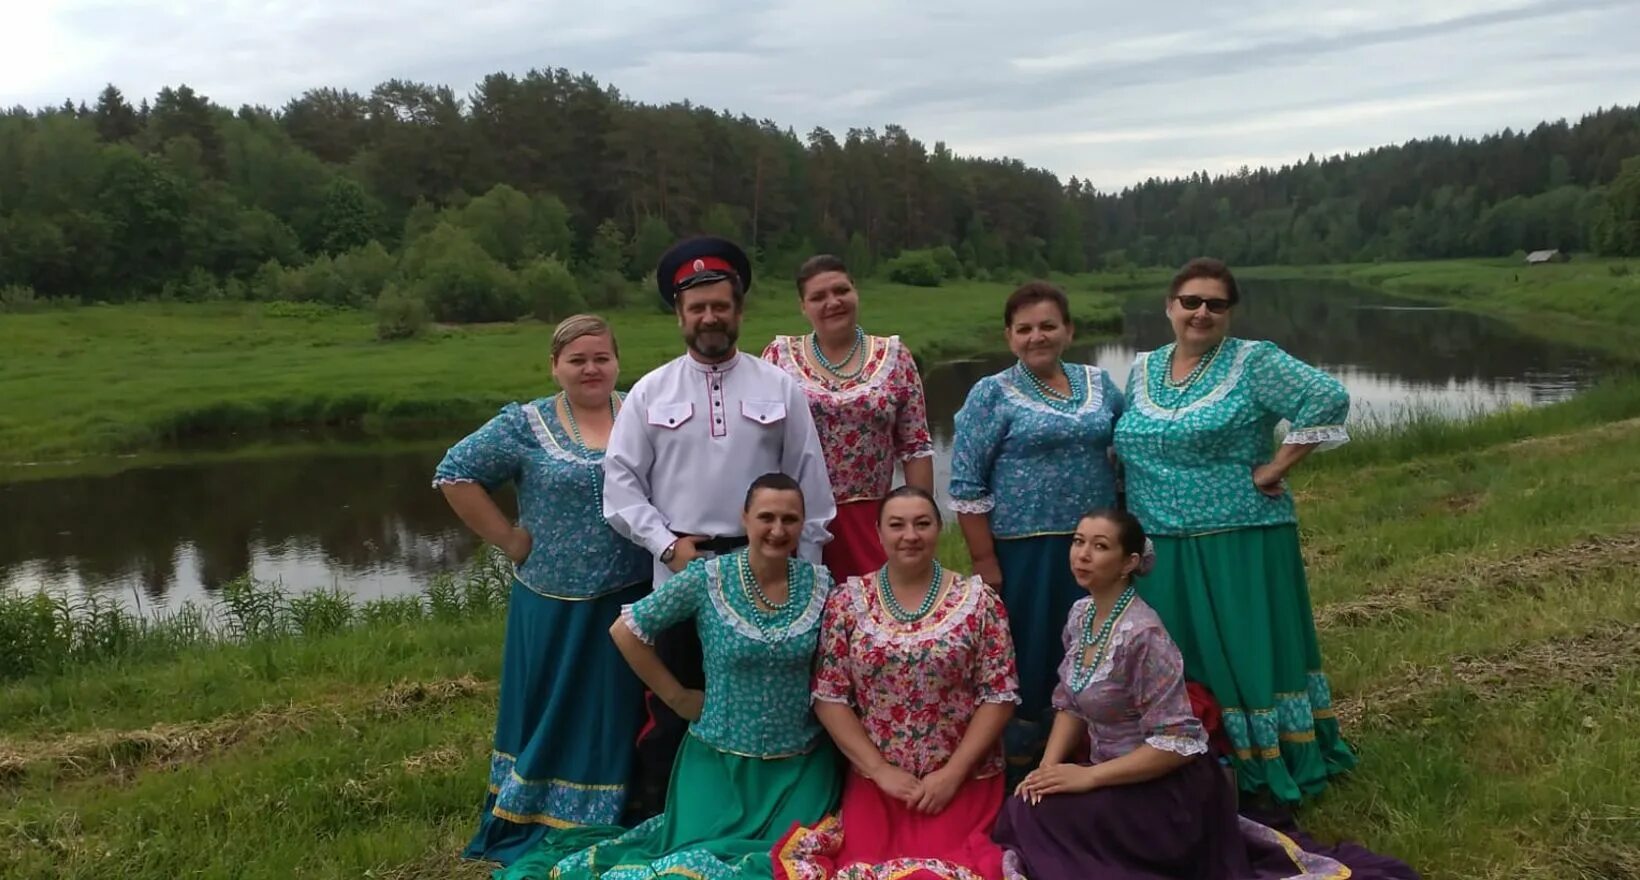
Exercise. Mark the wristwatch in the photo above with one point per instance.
(667, 554)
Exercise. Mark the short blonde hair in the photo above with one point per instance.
(576, 326)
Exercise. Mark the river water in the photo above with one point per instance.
(365, 520)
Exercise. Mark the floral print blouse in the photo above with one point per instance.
(868, 423)
(560, 485)
(1188, 453)
(916, 685)
(1136, 695)
(757, 663)
(1033, 467)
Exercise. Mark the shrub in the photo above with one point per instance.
(400, 314)
(553, 292)
(916, 268)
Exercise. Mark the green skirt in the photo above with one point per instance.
(1238, 605)
(1038, 591)
(724, 814)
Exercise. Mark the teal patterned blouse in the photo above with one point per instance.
(1035, 468)
(757, 663)
(1189, 452)
(574, 554)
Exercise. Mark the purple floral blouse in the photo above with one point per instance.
(1137, 694)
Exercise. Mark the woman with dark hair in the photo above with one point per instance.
(1031, 452)
(1148, 802)
(915, 682)
(754, 762)
(867, 399)
(556, 761)
(1206, 476)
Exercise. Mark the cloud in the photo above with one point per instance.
(1101, 89)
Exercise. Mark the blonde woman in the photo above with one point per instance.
(570, 707)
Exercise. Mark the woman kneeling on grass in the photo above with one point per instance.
(915, 683)
(755, 761)
(1151, 803)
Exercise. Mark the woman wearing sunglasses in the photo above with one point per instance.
(1206, 477)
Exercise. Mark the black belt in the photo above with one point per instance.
(716, 546)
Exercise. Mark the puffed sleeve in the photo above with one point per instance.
(1063, 700)
(490, 456)
(1313, 402)
(995, 671)
(676, 600)
(911, 436)
(979, 430)
(832, 681)
(1155, 673)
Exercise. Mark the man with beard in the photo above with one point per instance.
(691, 437)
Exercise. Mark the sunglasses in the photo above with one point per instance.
(1191, 302)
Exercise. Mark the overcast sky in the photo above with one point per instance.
(1112, 91)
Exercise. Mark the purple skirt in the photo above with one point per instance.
(1182, 826)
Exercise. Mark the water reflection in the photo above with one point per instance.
(367, 522)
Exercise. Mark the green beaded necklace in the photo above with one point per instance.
(886, 591)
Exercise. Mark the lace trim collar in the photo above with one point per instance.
(1021, 395)
(726, 609)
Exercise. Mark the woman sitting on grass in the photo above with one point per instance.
(755, 761)
(915, 683)
(1147, 802)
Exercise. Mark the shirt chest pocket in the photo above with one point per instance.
(672, 415)
(764, 412)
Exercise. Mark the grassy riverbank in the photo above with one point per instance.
(1479, 604)
(122, 379)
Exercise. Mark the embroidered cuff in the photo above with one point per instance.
(1187, 746)
(450, 481)
(1328, 436)
(633, 625)
(976, 506)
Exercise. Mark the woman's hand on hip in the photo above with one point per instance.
(518, 544)
(1271, 480)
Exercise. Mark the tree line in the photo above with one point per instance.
(547, 190)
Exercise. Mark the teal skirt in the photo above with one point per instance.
(568, 721)
(724, 815)
(1238, 605)
(1038, 590)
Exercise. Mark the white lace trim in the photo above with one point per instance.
(1188, 746)
(935, 626)
(1141, 387)
(1091, 401)
(1009, 697)
(637, 628)
(804, 622)
(862, 387)
(548, 443)
(1328, 436)
(450, 481)
(976, 506)
(817, 697)
(924, 451)
(1118, 638)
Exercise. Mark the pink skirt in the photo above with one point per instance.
(854, 549)
(886, 840)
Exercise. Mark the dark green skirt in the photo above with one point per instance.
(1238, 605)
(1038, 590)
(567, 726)
(724, 815)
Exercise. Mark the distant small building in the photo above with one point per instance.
(1554, 256)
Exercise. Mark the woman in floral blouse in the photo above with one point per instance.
(1127, 788)
(755, 762)
(1207, 478)
(557, 761)
(1031, 453)
(867, 400)
(915, 683)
